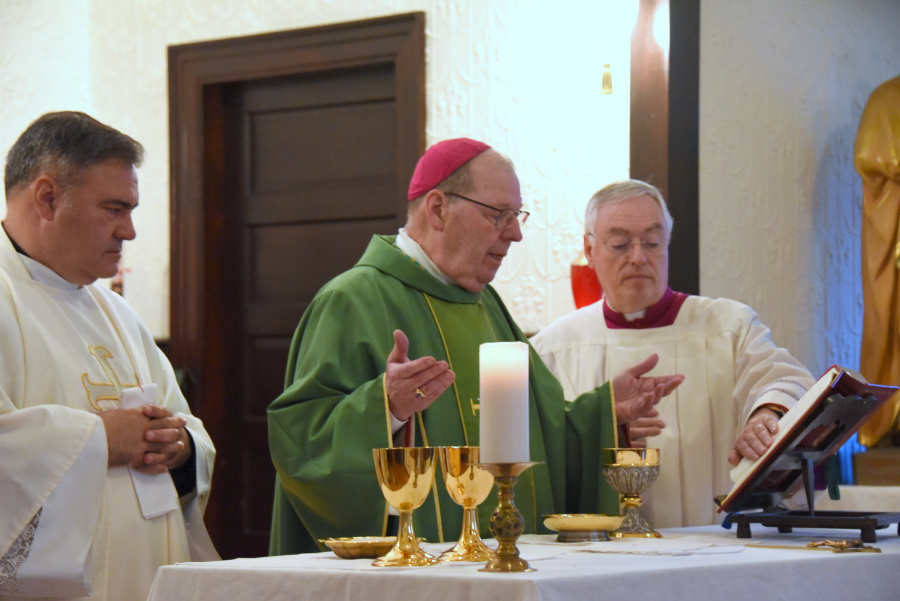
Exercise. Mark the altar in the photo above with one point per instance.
(688, 563)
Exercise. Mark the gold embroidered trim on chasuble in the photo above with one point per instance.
(390, 444)
(612, 399)
(450, 363)
(387, 412)
(102, 390)
(112, 388)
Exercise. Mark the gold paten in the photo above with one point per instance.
(468, 485)
(405, 476)
(582, 527)
(360, 547)
(507, 523)
(631, 472)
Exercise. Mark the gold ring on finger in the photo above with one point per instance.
(419, 394)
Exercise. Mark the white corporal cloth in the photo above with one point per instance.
(69, 526)
(731, 367)
(700, 564)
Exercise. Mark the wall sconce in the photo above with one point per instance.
(606, 83)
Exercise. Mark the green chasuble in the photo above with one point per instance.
(333, 411)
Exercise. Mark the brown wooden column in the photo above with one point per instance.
(649, 101)
(665, 125)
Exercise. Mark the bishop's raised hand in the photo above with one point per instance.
(412, 385)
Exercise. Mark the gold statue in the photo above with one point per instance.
(877, 159)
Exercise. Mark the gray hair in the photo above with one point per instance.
(623, 190)
(63, 144)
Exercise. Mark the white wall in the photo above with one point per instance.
(522, 75)
(43, 62)
(782, 88)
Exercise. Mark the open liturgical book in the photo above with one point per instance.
(815, 428)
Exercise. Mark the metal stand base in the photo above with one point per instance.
(582, 536)
(786, 521)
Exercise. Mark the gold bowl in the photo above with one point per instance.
(581, 527)
(360, 547)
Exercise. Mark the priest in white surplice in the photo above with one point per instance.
(737, 382)
(94, 497)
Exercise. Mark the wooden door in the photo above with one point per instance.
(299, 170)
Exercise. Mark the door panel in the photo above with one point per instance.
(311, 145)
(291, 262)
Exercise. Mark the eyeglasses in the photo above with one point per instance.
(504, 216)
(619, 246)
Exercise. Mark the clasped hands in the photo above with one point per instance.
(149, 438)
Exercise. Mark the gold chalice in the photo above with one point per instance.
(405, 475)
(468, 485)
(631, 472)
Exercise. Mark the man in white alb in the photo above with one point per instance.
(103, 470)
(737, 382)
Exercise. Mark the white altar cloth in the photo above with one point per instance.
(688, 563)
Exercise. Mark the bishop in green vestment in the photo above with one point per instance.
(342, 398)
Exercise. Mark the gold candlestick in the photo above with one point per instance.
(405, 476)
(468, 485)
(507, 523)
(631, 472)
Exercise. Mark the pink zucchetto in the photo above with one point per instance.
(440, 161)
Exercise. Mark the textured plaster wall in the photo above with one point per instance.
(523, 75)
(782, 88)
(44, 57)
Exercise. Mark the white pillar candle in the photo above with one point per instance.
(503, 371)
